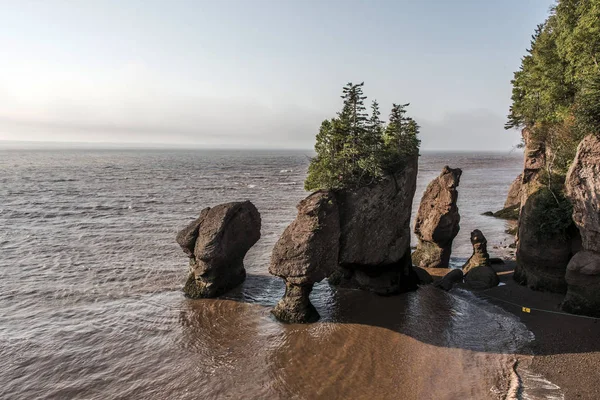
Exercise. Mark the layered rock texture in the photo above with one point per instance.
(216, 243)
(480, 257)
(583, 189)
(541, 259)
(437, 222)
(306, 253)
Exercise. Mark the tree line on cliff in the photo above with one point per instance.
(556, 97)
(556, 91)
(355, 149)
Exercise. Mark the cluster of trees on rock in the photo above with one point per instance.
(356, 149)
(556, 95)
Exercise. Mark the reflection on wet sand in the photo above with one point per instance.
(421, 344)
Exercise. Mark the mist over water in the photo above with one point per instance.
(91, 280)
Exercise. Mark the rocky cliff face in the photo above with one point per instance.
(583, 189)
(374, 252)
(306, 253)
(217, 243)
(514, 192)
(541, 260)
(437, 222)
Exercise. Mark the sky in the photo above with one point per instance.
(257, 73)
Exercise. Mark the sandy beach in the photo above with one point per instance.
(566, 347)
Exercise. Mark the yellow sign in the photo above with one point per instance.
(527, 310)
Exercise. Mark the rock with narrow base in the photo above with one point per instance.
(375, 234)
(583, 189)
(480, 255)
(306, 253)
(482, 277)
(217, 243)
(437, 222)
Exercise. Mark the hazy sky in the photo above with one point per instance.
(253, 73)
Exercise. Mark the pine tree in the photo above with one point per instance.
(351, 151)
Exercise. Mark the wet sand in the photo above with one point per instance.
(566, 347)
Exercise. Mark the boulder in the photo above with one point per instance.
(424, 277)
(450, 279)
(217, 243)
(306, 253)
(482, 277)
(480, 255)
(583, 281)
(583, 189)
(514, 193)
(374, 252)
(437, 222)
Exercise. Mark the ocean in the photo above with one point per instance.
(91, 278)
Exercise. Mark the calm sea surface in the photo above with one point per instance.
(91, 277)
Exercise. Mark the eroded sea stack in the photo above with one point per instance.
(514, 192)
(374, 252)
(437, 222)
(306, 253)
(217, 243)
(478, 271)
(360, 238)
(542, 257)
(583, 270)
(480, 255)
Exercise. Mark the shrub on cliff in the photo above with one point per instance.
(355, 149)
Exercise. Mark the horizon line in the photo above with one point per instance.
(58, 144)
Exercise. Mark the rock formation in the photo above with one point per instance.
(437, 222)
(424, 277)
(450, 279)
(482, 277)
(478, 271)
(514, 193)
(512, 205)
(480, 255)
(306, 253)
(375, 234)
(583, 189)
(216, 243)
(541, 260)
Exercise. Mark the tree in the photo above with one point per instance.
(556, 96)
(556, 91)
(352, 150)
